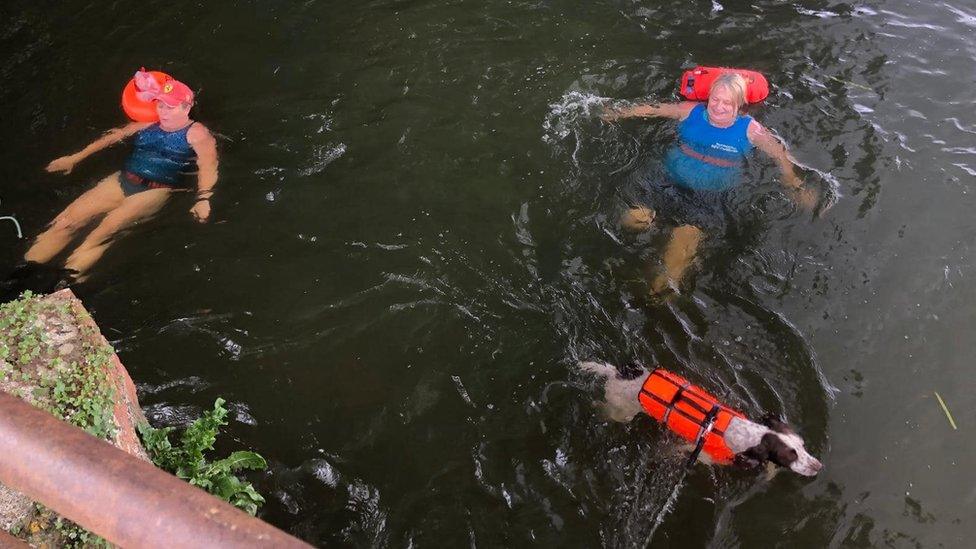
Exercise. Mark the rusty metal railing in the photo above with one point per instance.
(123, 499)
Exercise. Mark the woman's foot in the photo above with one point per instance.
(663, 285)
(39, 278)
(638, 218)
(68, 277)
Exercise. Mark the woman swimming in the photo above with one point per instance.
(713, 142)
(165, 154)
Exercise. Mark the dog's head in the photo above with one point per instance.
(780, 445)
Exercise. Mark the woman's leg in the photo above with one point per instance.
(104, 196)
(678, 256)
(133, 209)
(637, 218)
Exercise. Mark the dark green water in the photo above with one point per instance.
(415, 242)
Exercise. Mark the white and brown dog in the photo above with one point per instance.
(753, 444)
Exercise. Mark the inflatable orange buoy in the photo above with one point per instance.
(137, 109)
(687, 410)
(696, 83)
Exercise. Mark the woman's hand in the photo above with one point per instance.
(64, 164)
(201, 210)
(805, 197)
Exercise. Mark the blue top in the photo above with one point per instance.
(162, 156)
(708, 158)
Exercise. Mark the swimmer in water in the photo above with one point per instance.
(164, 155)
(714, 139)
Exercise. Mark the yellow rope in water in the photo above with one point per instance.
(946, 410)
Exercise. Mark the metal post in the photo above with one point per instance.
(123, 499)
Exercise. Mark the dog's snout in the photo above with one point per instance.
(808, 467)
(816, 466)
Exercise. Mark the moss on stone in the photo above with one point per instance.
(51, 359)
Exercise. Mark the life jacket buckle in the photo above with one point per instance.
(706, 428)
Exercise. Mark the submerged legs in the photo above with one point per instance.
(678, 255)
(104, 196)
(131, 211)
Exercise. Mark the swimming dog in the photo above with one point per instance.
(750, 444)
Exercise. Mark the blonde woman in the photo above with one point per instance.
(713, 141)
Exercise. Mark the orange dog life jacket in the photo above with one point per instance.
(697, 83)
(688, 411)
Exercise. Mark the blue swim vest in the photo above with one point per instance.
(708, 158)
(162, 156)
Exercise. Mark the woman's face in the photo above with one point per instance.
(171, 117)
(722, 107)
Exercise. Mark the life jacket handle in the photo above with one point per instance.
(674, 400)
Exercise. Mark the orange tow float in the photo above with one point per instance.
(697, 82)
(137, 109)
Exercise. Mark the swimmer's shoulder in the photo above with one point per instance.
(756, 131)
(198, 133)
(684, 108)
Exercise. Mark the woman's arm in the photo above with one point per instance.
(67, 163)
(768, 143)
(205, 146)
(678, 111)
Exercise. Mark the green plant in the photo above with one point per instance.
(78, 392)
(188, 462)
(83, 396)
(73, 536)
